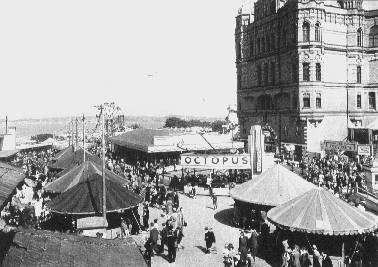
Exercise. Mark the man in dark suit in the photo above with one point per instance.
(172, 244)
(154, 236)
(209, 239)
(163, 234)
(243, 248)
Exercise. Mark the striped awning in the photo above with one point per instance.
(320, 212)
(273, 187)
(81, 173)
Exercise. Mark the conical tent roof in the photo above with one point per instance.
(273, 187)
(71, 157)
(63, 152)
(86, 198)
(320, 212)
(81, 173)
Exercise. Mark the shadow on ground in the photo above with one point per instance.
(225, 217)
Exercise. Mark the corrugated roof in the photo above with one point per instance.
(45, 248)
(10, 177)
(141, 138)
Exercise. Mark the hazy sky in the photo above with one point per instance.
(155, 57)
(152, 57)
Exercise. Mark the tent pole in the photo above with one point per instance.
(343, 253)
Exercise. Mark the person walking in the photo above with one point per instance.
(209, 239)
(253, 244)
(145, 216)
(243, 248)
(215, 202)
(163, 237)
(154, 237)
(295, 257)
(172, 244)
(317, 258)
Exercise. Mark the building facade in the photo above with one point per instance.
(308, 69)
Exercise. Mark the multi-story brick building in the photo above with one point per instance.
(307, 68)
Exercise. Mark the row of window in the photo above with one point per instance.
(306, 71)
(306, 32)
(307, 100)
(318, 101)
(371, 98)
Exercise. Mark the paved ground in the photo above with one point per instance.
(198, 214)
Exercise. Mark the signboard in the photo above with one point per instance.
(230, 161)
(364, 150)
(340, 146)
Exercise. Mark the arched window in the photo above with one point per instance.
(359, 37)
(373, 36)
(317, 32)
(259, 74)
(306, 31)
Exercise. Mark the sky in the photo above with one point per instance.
(156, 58)
(151, 57)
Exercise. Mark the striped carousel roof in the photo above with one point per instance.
(273, 187)
(81, 173)
(86, 198)
(320, 212)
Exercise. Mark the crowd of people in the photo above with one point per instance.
(171, 231)
(27, 207)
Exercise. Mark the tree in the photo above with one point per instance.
(135, 126)
(217, 126)
(175, 122)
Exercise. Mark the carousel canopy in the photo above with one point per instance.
(10, 177)
(81, 173)
(320, 212)
(273, 187)
(86, 198)
(70, 157)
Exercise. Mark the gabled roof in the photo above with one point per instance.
(320, 212)
(273, 187)
(10, 177)
(45, 248)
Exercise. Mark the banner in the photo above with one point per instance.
(340, 146)
(233, 161)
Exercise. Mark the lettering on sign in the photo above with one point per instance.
(340, 146)
(364, 150)
(216, 161)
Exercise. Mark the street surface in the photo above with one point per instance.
(198, 213)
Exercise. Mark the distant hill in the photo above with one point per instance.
(30, 127)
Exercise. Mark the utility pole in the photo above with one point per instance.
(76, 133)
(103, 163)
(6, 124)
(83, 138)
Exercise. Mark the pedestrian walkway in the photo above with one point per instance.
(198, 213)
